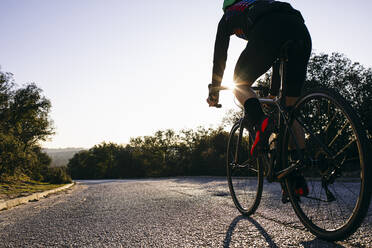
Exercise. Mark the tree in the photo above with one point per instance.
(231, 116)
(106, 160)
(352, 80)
(24, 121)
(29, 116)
(12, 155)
(6, 86)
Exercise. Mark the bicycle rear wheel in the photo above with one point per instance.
(244, 175)
(334, 166)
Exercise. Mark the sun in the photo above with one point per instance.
(229, 84)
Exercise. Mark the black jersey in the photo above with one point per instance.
(236, 10)
(239, 19)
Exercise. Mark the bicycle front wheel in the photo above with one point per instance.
(334, 165)
(244, 175)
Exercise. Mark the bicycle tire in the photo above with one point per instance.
(339, 167)
(244, 176)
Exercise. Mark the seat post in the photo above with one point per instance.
(283, 73)
(284, 51)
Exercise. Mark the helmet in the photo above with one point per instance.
(227, 3)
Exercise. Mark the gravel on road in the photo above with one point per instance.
(172, 212)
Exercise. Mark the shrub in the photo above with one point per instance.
(57, 175)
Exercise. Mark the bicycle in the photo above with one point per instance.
(334, 162)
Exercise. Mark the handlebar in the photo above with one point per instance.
(219, 88)
(216, 89)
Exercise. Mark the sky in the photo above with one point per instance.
(116, 69)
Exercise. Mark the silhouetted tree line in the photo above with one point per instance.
(203, 151)
(351, 79)
(24, 122)
(166, 153)
(354, 82)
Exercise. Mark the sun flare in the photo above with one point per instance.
(230, 85)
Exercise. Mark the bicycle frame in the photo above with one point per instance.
(283, 124)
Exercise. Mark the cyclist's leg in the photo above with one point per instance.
(251, 64)
(254, 61)
(296, 73)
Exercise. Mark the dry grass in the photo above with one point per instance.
(21, 185)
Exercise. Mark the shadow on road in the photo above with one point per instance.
(230, 230)
(306, 244)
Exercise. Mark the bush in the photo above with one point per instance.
(57, 175)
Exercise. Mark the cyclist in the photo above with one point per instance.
(266, 25)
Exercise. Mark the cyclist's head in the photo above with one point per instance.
(228, 3)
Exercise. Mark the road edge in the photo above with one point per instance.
(36, 196)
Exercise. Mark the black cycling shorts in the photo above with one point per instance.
(263, 48)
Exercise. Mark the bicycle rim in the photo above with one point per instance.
(334, 166)
(245, 177)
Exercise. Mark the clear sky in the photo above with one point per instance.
(115, 69)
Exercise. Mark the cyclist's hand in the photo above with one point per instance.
(213, 96)
(212, 100)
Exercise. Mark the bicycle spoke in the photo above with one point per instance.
(344, 202)
(245, 176)
(338, 134)
(348, 189)
(330, 123)
(334, 166)
(311, 134)
(344, 148)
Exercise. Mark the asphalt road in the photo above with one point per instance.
(175, 212)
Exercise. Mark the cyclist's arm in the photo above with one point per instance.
(220, 51)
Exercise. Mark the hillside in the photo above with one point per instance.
(60, 157)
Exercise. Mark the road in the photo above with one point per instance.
(174, 212)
